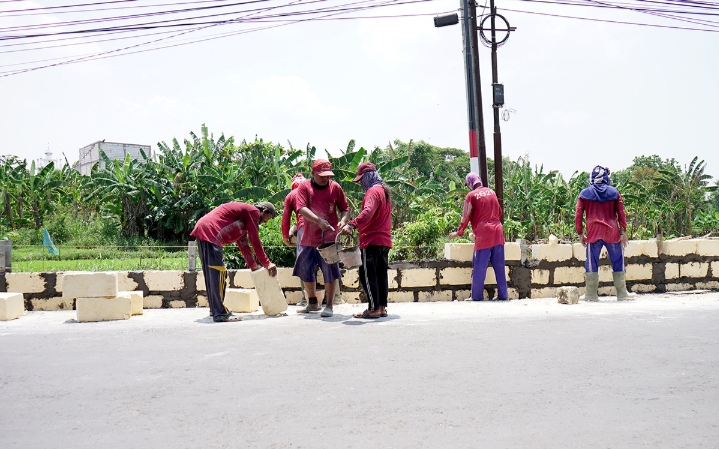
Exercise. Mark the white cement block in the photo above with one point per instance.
(546, 292)
(25, 282)
(540, 277)
(605, 273)
(568, 295)
(89, 285)
(512, 251)
(461, 252)
(400, 297)
(568, 275)
(12, 305)
(54, 303)
(709, 285)
(125, 283)
(136, 298)
(579, 252)
(693, 270)
(679, 286)
(152, 302)
(202, 301)
(103, 309)
(679, 247)
(351, 279)
(269, 291)
(715, 269)
(284, 275)
(243, 279)
(441, 295)
(164, 281)
(671, 271)
(455, 276)
(707, 247)
(419, 277)
(200, 282)
(643, 288)
(552, 253)
(177, 304)
(351, 297)
(639, 272)
(633, 249)
(650, 248)
(607, 291)
(392, 279)
(242, 300)
(294, 297)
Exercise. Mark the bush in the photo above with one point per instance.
(425, 237)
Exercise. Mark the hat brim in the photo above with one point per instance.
(358, 177)
(326, 173)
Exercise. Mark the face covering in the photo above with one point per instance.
(599, 189)
(370, 179)
(473, 179)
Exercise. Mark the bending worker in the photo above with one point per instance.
(230, 223)
(606, 227)
(481, 208)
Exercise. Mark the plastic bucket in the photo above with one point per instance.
(351, 257)
(330, 251)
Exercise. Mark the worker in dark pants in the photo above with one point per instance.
(230, 223)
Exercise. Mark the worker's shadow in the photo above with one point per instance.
(361, 321)
(243, 317)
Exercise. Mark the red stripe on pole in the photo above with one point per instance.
(473, 143)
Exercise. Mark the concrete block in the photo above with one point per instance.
(177, 304)
(679, 286)
(164, 281)
(707, 247)
(552, 253)
(351, 297)
(546, 292)
(607, 291)
(392, 279)
(433, 296)
(269, 291)
(633, 249)
(650, 248)
(125, 283)
(152, 302)
(243, 279)
(136, 298)
(419, 277)
(643, 288)
(242, 300)
(202, 301)
(461, 295)
(25, 282)
(293, 297)
(679, 247)
(103, 309)
(400, 297)
(693, 270)
(568, 275)
(54, 303)
(671, 271)
(455, 276)
(579, 252)
(540, 277)
(513, 293)
(284, 275)
(709, 285)
(605, 273)
(638, 272)
(12, 305)
(89, 285)
(512, 251)
(491, 279)
(568, 295)
(200, 282)
(351, 279)
(715, 269)
(461, 252)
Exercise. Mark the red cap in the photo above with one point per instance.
(363, 168)
(322, 167)
(297, 180)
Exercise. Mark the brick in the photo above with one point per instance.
(268, 289)
(540, 277)
(455, 276)
(351, 297)
(461, 252)
(579, 252)
(491, 279)
(568, 295)
(643, 288)
(512, 251)
(679, 286)
(568, 275)
(89, 285)
(513, 293)
(419, 277)
(547, 292)
(710, 285)
(136, 299)
(177, 304)
(715, 269)
(633, 249)
(607, 291)
(461, 295)
(51, 304)
(202, 301)
(605, 273)
(152, 302)
(693, 270)
(103, 309)
(679, 247)
(671, 271)
(707, 247)
(241, 300)
(164, 281)
(552, 253)
(284, 275)
(351, 279)
(392, 279)
(401, 297)
(25, 282)
(125, 283)
(294, 297)
(650, 248)
(200, 282)
(639, 272)
(243, 279)
(12, 306)
(440, 295)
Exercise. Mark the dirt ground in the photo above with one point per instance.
(521, 374)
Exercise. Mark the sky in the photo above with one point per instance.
(585, 93)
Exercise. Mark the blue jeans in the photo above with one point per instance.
(614, 250)
(480, 259)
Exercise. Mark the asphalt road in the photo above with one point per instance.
(523, 374)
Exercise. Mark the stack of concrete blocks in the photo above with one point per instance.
(12, 306)
(244, 300)
(96, 296)
(136, 300)
(568, 295)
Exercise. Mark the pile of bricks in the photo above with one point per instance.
(97, 298)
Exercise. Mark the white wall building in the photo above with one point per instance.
(40, 163)
(90, 154)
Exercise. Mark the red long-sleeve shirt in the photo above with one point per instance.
(481, 208)
(325, 203)
(234, 222)
(604, 220)
(375, 220)
(289, 208)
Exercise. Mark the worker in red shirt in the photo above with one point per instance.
(482, 209)
(606, 228)
(375, 239)
(230, 223)
(290, 207)
(319, 200)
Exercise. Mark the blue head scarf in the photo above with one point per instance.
(472, 179)
(599, 189)
(370, 179)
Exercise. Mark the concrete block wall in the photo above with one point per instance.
(651, 266)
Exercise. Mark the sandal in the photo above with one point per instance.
(365, 315)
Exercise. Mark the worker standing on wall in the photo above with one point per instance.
(481, 208)
(606, 228)
(230, 223)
